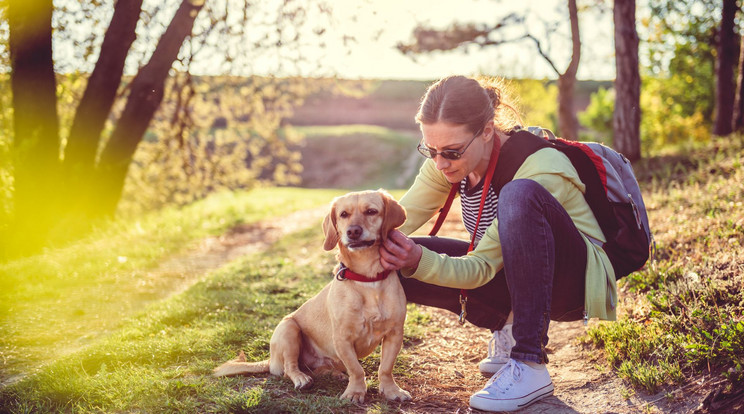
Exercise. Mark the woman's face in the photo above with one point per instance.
(442, 136)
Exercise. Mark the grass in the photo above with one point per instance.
(684, 314)
(160, 359)
(69, 297)
(358, 157)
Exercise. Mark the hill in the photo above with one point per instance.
(389, 103)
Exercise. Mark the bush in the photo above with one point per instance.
(666, 121)
(536, 102)
(598, 116)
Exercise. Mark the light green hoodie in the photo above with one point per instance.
(551, 169)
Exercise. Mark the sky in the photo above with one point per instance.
(378, 25)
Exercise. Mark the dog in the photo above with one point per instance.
(359, 309)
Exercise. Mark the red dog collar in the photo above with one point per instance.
(345, 273)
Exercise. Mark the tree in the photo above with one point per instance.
(726, 61)
(568, 124)
(145, 95)
(96, 103)
(428, 39)
(64, 180)
(36, 126)
(37, 132)
(626, 119)
(684, 49)
(737, 123)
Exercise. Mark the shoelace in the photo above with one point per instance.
(503, 380)
(498, 344)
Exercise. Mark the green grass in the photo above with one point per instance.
(160, 359)
(350, 131)
(358, 157)
(684, 314)
(68, 297)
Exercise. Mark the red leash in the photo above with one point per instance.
(448, 203)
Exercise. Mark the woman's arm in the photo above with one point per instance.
(425, 197)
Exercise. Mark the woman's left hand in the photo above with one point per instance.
(399, 251)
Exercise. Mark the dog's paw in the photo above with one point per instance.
(354, 395)
(302, 381)
(339, 376)
(396, 394)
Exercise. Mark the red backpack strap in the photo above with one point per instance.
(444, 210)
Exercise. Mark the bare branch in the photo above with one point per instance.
(544, 54)
(458, 35)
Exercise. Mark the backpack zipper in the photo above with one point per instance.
(636, 213)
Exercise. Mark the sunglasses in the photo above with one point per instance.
(448, 154)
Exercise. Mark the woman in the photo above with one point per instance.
(533, 260)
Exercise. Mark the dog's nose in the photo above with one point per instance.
(354, 232)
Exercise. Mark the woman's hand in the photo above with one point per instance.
(398, 252)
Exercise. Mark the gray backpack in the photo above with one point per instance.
(612, 192)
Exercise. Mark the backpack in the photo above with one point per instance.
(612, 192)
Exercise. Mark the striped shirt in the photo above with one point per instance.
(470, 202)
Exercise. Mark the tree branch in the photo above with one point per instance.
(144, 99)
(544, 54)
(458, 35)
(100, 93)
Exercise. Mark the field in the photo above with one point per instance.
(134, 317)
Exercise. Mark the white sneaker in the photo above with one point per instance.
(499, 349)
(515, 386)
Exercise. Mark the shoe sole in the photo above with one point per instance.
(546, 392)
(528, 399)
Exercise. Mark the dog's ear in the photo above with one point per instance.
(329, 229)
(395, 214)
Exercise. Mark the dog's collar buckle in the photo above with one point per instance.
(345, 273)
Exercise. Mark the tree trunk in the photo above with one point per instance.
(36, 124)
(725, 61)
(738, 118)
(626, 119)
(98, 98)
(568, 124)
(146, 94)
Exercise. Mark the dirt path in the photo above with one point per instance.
(445, 371)
(447, 366)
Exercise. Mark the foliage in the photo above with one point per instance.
(598, 115)
(684, 313)
(665, 121)
(228, 138)
(679, 29)
(681, 46)
(536, 102)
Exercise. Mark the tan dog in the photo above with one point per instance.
(348, 318)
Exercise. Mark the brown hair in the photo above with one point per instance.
(467, 101)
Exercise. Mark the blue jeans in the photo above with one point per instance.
(543, 276)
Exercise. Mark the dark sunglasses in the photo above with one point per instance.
(448, 154)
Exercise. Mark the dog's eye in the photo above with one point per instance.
(344, 214)
(371, 212)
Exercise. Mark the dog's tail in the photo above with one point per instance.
(239, 366)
